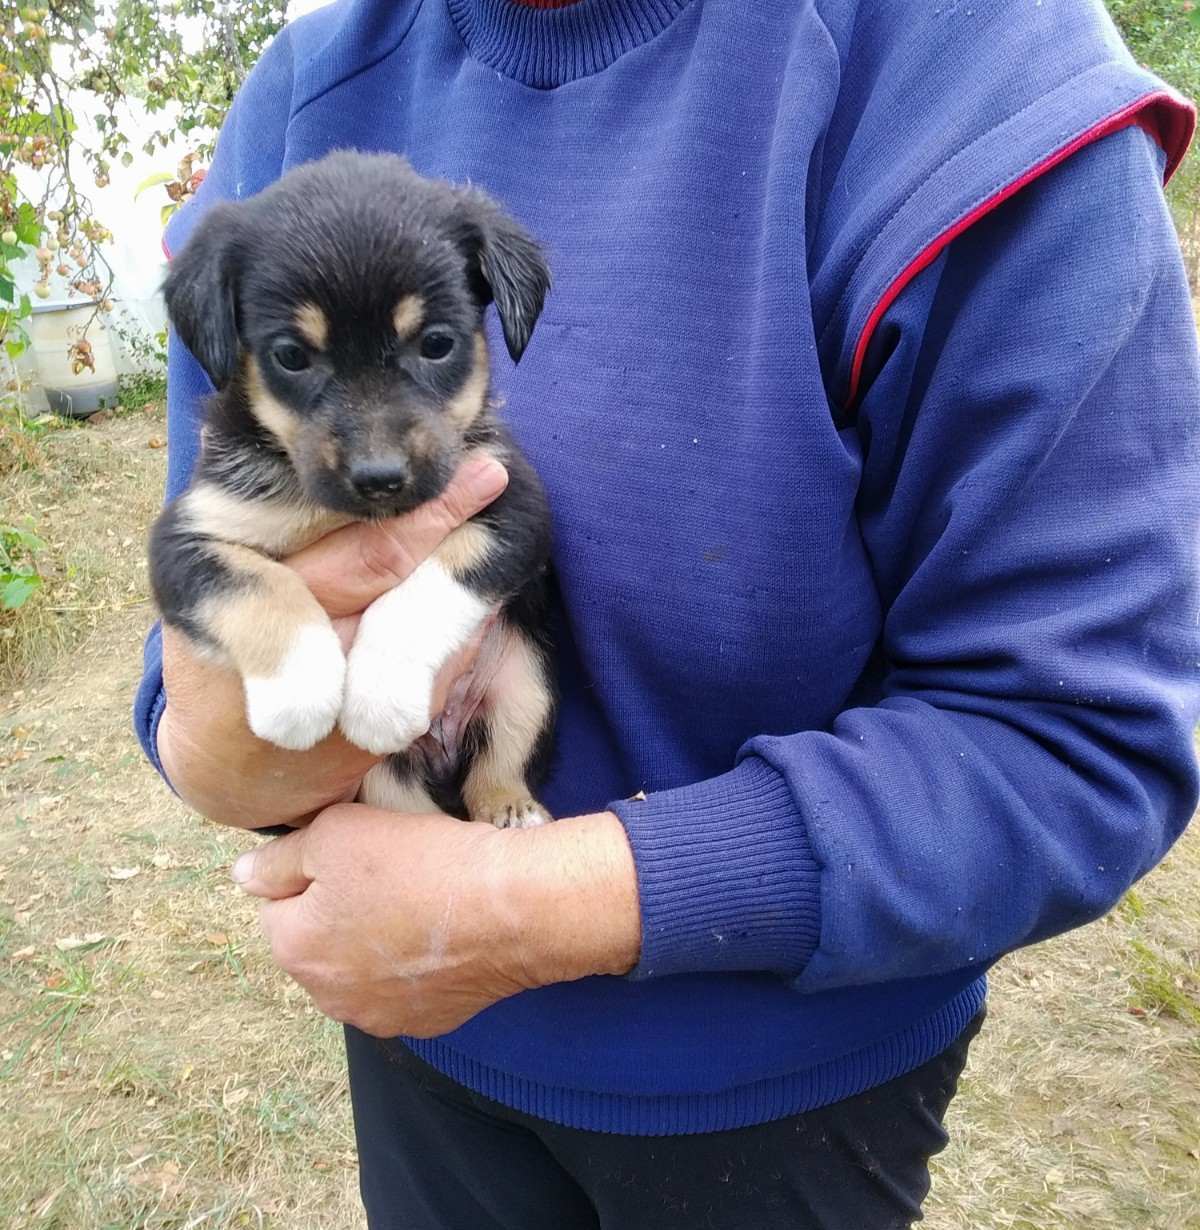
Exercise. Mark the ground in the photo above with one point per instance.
(156, 1073)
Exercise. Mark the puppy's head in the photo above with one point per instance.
(347, 302)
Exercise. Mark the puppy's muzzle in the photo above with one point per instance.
(380, 479)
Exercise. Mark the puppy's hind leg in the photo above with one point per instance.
(507, 737)
(397, 784)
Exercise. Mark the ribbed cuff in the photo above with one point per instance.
(151, 700)
(726, 875)
(156, 712)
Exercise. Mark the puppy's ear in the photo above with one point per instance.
(200, 293)
(505, 267)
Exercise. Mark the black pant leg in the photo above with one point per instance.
(859, 1164)
(433, 1156)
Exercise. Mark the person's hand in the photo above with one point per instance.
(210, 755)
(404, 924)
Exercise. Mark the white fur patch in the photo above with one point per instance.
(404, 639)
(298, 706)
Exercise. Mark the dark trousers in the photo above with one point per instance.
(435, 1156)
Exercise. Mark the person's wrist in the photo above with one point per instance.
(571, 900)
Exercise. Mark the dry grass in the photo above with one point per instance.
(89, 494)
(163, 1076)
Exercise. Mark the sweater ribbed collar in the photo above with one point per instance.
(546, 47)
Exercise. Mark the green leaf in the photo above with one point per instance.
(152, 181)
(8, 290)
(15, 347)
(26, 538)
(17, 591)
(29, 232)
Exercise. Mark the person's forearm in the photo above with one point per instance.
(572, 899)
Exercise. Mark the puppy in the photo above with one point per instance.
(339, 315)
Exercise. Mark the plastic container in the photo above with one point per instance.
(53, 330)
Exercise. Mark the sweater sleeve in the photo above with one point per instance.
(249, 155)
(1030, 504)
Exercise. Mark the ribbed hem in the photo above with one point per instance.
(726, 876)
(547, 47)
(743, 1106)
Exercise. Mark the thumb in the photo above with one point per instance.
(349, 568)
(274, 870)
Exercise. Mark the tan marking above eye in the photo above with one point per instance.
(312, 325)
(409, 314)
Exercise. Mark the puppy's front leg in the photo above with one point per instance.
(404, 639)
(261, 616)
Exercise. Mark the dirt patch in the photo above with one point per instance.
(156, 1071)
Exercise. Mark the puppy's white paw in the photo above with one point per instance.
(298, 706)
(387, 703)
(514, 814)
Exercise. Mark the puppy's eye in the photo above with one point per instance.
(290, 357)
(436, 345)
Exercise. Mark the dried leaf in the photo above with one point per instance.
(23, 954)
(123, 873)
(235, 1097)
(218, 938)
(68, 942)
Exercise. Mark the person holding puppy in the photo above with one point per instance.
(865, 405)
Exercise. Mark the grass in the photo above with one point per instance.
(87, 492)
(157, 1073)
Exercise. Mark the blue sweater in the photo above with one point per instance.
(866, 400)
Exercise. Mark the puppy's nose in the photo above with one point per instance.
(379, 478)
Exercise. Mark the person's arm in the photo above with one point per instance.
(1031, 504)
(405, 924)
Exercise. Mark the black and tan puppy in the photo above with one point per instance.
(340, 317)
